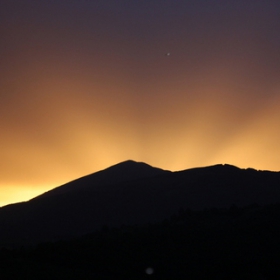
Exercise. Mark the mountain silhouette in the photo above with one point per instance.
(132, 193)
(120, 173)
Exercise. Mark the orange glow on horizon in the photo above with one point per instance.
(21, 193)
(83, 88)
(68, 142)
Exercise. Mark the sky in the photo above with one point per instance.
(87, 84)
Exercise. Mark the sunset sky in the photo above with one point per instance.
(87, 84)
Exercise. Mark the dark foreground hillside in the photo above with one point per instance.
(132, 193)
(233, 243)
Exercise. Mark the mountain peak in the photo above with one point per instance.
(129, 170)
(129, 165)
(125, 171)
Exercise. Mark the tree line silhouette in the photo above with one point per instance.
(234, 243)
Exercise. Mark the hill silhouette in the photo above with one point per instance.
(132, 193)
(234, 243)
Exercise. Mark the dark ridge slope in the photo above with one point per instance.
(133, 193)
(122, 172)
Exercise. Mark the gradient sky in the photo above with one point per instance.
(87, 84)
